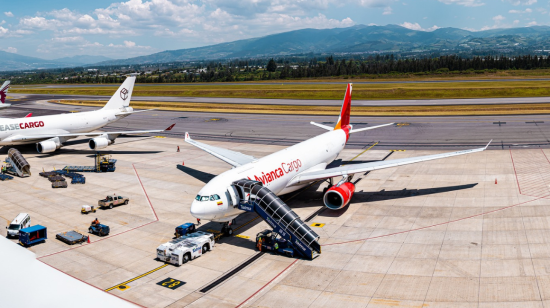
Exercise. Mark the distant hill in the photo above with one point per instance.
(11, 61)
(357, 39)
(81, 60)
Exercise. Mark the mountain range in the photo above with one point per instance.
(11, 61)
(358, 39)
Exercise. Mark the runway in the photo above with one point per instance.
(313, 102)
(526, 131)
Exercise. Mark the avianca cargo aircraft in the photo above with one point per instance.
(293, 168)
(50, 132)
(4, 93)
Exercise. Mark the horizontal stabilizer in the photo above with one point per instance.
(369, 128)
(322, 126)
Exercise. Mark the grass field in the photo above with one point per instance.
(447, 110)
(324, 91)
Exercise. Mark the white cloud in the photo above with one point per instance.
(469, 3)
(416, 26)
(526, 11)
(522, 2)
(10, 49)
(387, 11)
(499, 18)
(9, 14)
(533, 23)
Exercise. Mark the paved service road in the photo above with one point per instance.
(410, 132)
(315, 102)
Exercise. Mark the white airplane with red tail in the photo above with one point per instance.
(293, 168)
(3, 93)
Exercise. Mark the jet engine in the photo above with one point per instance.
(48, 146)
(99, 143)
(338, 196)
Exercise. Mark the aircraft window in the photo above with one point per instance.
(198, 198)
(214, 197)
(205, 198)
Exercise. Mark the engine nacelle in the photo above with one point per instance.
(99, 143)
(48, 146)
(338, 196)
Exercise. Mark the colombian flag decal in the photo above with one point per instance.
(220, 202)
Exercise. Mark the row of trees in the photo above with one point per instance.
(283, 68)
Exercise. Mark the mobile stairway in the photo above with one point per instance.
(16, 164)
(252, 196)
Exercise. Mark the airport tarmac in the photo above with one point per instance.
(467, 231)
(410, 133)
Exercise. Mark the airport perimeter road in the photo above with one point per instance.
(409, 133)
(316, 102)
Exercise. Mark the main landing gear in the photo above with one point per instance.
(227, 229)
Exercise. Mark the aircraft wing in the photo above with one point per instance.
(94, 134)
(233, 158)
(306, 177)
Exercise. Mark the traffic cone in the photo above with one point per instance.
(178, 149)
(183, 163)
(88, 240)
(495, 180)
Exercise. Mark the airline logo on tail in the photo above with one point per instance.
(4, 91)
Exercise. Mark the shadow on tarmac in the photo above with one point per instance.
(204, 177)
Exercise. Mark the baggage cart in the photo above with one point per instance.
(71, 237)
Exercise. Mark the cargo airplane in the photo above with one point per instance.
(50, 132)
(291, 169)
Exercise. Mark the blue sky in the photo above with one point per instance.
(58, 28)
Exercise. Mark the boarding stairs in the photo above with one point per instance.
(17, 164)
(254, 197)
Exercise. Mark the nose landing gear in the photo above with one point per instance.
(227, 229)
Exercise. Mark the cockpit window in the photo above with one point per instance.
(214, 197)
(198, 198)
(205, 198)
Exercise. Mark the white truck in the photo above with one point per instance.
(187, 247)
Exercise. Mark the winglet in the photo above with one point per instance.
(488, 144)
(187, 136)
(170, 127)
(28, 115)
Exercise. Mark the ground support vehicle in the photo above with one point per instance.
(87, 209)
(71, 237)
(103, 163)
(32, 235)
(22, 221)
(99, 229)
(184, 229)
(59, 184)
(185, 248)
(111, 201)
(268, 240)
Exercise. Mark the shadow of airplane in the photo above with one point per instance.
(204, 177)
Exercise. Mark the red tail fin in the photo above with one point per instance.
(343, 120)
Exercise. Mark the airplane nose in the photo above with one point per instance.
(202, 210)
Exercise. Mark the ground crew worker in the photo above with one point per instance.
(178, 148)
(276, 246)
(95, 222)
(260, 244)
